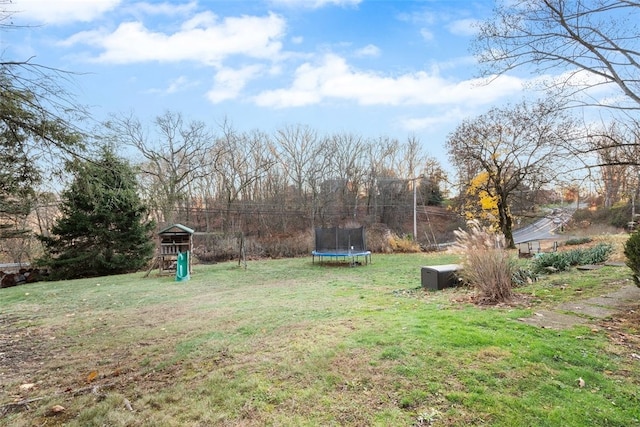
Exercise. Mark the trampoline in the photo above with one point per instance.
(345, 244)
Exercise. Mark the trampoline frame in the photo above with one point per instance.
(352, 256)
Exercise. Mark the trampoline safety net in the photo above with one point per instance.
(336, 239)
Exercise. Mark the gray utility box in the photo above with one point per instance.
(437, 277)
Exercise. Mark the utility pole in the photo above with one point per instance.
(415, 214)
(415, 219)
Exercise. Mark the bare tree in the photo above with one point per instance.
(510, 146)
(596, 38)
(608, 146)
(204, 193)
(380, 156)
(173, 156)
(412, 158)
(618, 149)
(302, 156)
(347, 170)
(297, 149)
(245, 161)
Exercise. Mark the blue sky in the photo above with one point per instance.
(368, 67)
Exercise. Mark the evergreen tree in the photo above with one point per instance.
(104, 228)
(26, 136)
(38, 128)
(431, 194)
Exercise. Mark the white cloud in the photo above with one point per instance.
(200, 20)
(369, 50)
(315, 4)
(578, 78)
(585, 87)
(165, 8)
(63, 11)
(176, 85)
(464, 27)
(334, 79)
(426, 34)
(203, 38)
(421, 17)
(179, 84)
(229, 82)
(415, 124)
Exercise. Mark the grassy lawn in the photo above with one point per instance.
(291, 343)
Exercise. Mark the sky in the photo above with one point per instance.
(372, 68)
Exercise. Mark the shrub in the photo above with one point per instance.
(616, 216)
(216, 247)
(560, 261)
(597, 254)
(378, 238)
(286, 246)
(486, 265)
(403, 244)
(523, 276)
(619, 215)
(632, 253)
(550, 262)
(578, 241)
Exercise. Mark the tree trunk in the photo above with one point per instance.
(505, 222)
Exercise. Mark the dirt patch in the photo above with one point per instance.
(582, 308)
(553, 320)
(47, 364)
(624, 331)
(23, 348)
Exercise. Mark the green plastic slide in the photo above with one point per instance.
(182, 267)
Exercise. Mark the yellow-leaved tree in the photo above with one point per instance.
(506, 150)
(481, 204)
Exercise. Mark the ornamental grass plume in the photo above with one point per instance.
(486, 265)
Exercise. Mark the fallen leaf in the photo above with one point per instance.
(581, 382)
(635, 356)
(56, 409)
(26, 387)
(92, 376)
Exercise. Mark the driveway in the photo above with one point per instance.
(544, 228)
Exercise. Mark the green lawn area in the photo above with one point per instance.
(291, 343)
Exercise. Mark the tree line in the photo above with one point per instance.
(237, 181)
